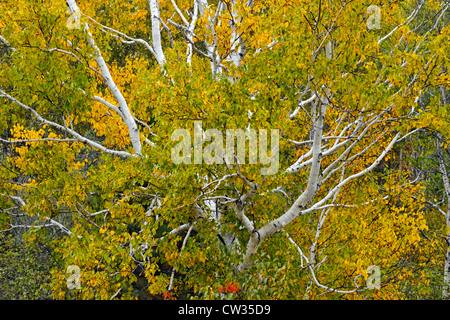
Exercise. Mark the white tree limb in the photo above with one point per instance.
(122, 104)
(73, 133)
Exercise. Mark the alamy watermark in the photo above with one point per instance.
(74, 280)
(374, 280)
(74, 21)
(216, 153)
(374, 21)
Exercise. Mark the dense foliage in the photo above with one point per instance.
(356, 104)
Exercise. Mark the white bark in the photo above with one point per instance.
(301, 105)
(445, 180)
(72, 132)
(190, 33)
(109, 82)
(212, 48)
(156, 32)
(313, 183)
(346, 136)
(300, 205)
(48, 221)
(123, 37)
(237, 45)
(203, 4)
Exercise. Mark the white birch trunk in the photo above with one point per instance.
(202, 5)
(124, 110)
(156, 32)
(311, 189)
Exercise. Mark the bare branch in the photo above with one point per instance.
(73, 133)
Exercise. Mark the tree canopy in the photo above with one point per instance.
(314, 141)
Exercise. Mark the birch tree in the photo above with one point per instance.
(426, 162)
(92, 93)
(445, 182)
(428, 159)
